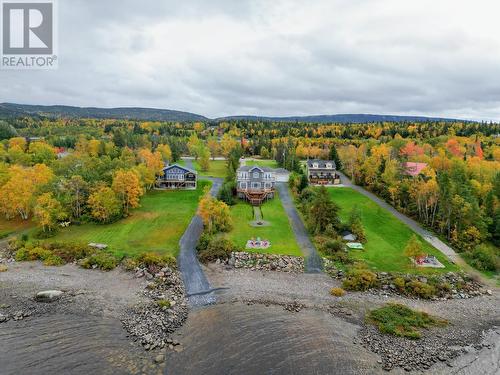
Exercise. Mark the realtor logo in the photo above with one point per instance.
(28, 34)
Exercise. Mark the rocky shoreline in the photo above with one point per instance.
(151, 305)
(152, 323)
(443, 346)
(263, 262)
(454, 285)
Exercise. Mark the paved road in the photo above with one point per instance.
(313, 262)
(417, 228)
(198, 288)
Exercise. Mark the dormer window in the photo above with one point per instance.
(329, 165)
(315, 165)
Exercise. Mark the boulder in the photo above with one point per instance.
(48, 295)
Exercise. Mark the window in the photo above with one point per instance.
(256, 185)
(255, 174)
(315, 165)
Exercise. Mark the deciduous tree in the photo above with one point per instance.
(127, 186)
(104, 204)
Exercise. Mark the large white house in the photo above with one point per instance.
(255, 183)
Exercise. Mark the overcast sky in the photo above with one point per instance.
(228, 57)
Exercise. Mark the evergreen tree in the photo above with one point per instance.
(323, 212)
(335, 157)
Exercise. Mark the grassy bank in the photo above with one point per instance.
(264, 163)
(217, 168)
(156, 226)
(386, 235)
(279, 231)
(14, 226)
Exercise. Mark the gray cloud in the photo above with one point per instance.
(273, 58)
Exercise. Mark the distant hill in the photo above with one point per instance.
(341, 118)
(10, 110)
(150, 114)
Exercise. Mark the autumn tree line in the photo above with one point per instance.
(456, 195)
(97, 181)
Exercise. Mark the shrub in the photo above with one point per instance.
(218, 248)
(129, 264)
(155, 260)
(15, 244)
(204, 241)
(21, 255)
(359, 279)
(39, 253)
(104, 261)
(468, 239)
(399, 320)
(484, 259)
(69, 252)
(53, 260)
(420, 289)
(42, 234)
(33, 253)
(333, 246)
(164, 303)
(444, 287)
(399, 283)
(337, 292)
(226, 193)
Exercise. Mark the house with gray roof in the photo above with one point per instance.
(176, 177)
(322, 172)
(255, 184)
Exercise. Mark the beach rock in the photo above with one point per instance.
(263, 262)
(151, 323)
(159, 358)
(48, 295)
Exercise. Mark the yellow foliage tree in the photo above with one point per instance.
(165, 151)
(94, 147)
(19, 142)
(18, 193)
(214, 213)
(47, 211)
(227, 144)
(127, 186)
(104, 205)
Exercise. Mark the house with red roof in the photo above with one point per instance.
(413, 169)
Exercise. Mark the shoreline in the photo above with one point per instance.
(268, 302)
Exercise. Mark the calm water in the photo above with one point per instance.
(69, 344)
(220, 339)
(255, 339)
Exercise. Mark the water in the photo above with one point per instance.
(241, 339)
(70, 344)
(220, 339)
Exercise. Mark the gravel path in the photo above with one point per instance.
(197, 287)
(313, 260)
(417, 228)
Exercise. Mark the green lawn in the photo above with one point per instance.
(155, 226)
(386, 235)
(12, 226)
(264, 163)
(278, 232)
(218, 168)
